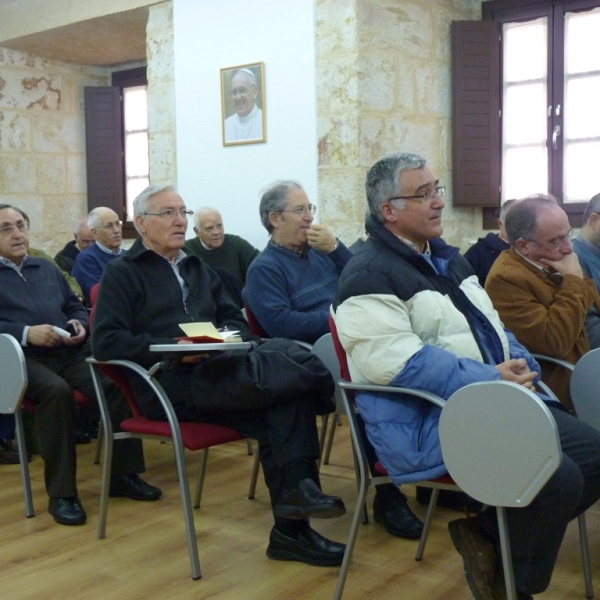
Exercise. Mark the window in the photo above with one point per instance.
(117, 143)
(548, 119)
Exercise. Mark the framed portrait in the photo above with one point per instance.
(244, 115)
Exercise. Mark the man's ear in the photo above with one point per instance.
(274, 219)
(522, 246)
(388, 212)
(197, 231)
(139, 221)
(594, 221)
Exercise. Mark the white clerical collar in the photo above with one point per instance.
(250, 116)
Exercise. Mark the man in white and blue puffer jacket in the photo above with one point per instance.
(411, 313)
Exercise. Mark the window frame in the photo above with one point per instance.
(505, 11)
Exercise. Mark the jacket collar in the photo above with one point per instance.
(379, 234)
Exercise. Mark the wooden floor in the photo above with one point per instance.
(145, 554)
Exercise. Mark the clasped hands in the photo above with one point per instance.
(517, 371)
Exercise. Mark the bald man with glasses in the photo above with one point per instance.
(107, 230)
(541, 291)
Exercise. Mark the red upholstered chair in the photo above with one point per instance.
(365, 479)
(189, 435)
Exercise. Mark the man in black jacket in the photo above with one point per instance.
(35, 299)
(84, 238)
(145, 295)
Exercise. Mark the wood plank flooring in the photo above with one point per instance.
(144, 555)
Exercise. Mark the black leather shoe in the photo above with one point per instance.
(458, 501)
(309, 547)
(306, 501)
(67, 511)
(7, 455)
(393, 514)
(132, 486)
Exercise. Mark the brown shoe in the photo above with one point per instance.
(482, 566)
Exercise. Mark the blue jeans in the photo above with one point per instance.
(536, 531)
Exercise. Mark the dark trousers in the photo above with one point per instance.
(284, 427)
(536, 531)
(52, 377)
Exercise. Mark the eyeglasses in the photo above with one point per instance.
(557, 244)
(424, 197)
(239, 91)
(113, 225)
(170, 213)
(8, 230)
(302, 210)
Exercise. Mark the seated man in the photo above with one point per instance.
(388, 295)
(486, 250)
(35, 298)
(217, 248)
(106, 228)
(587, 244)
(540, 290)
(65, 259)
(263, 393)
(289, 289)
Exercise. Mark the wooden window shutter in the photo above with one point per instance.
(476, 92)
(104, 148)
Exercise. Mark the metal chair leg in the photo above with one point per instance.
(585, 555)
(250, 447)
(99, 444)
(201, 474)
(509, 576)
(20, 435)
(333, 427)
(435, 492)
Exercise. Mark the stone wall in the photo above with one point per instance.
(161, 95)
(383, 69)
(42, 142)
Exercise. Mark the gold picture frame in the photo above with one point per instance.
(243, 110)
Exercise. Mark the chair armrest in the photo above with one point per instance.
(557, 361)
(389, 389)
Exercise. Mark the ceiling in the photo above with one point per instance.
(105, 41)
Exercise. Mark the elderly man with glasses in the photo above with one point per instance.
(540, 290)
(106, 228)
(37, 308)
(269, 393)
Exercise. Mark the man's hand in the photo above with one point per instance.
(567, 265)
(517, 371)
(42, 335)
(321, 238)
(75, 340)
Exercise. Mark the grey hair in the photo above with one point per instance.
(592, 207)
(274, 199)
(80, 223)
(202, 212)
(384, 180)
(521, 219)
(504, 209)
(94, 219)
(141, 202)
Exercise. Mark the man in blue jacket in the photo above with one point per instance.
(107, 230)
(411, 313)
(35, 299)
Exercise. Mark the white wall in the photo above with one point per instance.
(210, 35)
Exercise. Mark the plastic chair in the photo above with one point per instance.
(189, 435)
(585, 386)
(514, 438)
(365, 480)
(13, 375)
